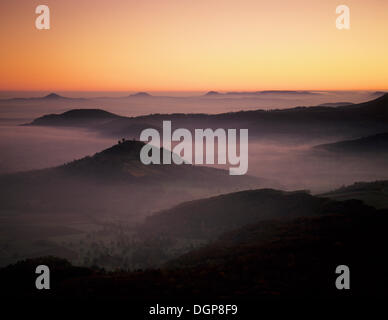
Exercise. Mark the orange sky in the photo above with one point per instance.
(186, 45)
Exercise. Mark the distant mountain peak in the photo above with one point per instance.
(141, 94)
(74, 117)
(212, 93)
(53, 96)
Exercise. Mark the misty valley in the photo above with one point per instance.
(76, 196)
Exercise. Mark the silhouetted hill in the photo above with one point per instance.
(95, 119)
(123, 161)
(297, 257)
(201, 221)
(375, 144)
(53, 96)
(115, 180)
(300, 123)
(212, 93)
(75, 117)
(335, 104)
(207, 218)
(371, 193)
(271, 259)
(140, 95)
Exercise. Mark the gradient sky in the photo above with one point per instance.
(196, 45)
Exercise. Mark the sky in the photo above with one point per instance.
(185, 45)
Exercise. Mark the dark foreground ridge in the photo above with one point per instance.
(271, 259)
(375, 144)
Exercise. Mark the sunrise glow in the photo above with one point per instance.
(194, 45)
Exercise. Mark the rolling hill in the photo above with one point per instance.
(76, 117)
(115, 181)
(375, 144)
(301, 122)
(208, 218)
(269, 259)
(371, 193)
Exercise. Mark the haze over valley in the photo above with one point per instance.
(73, 185)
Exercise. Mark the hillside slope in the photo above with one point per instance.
(371, 193)
(303, 122)
(115, 181)
(208, 218)
(375, 144)
(272, 259)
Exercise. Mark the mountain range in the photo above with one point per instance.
(303, 123)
